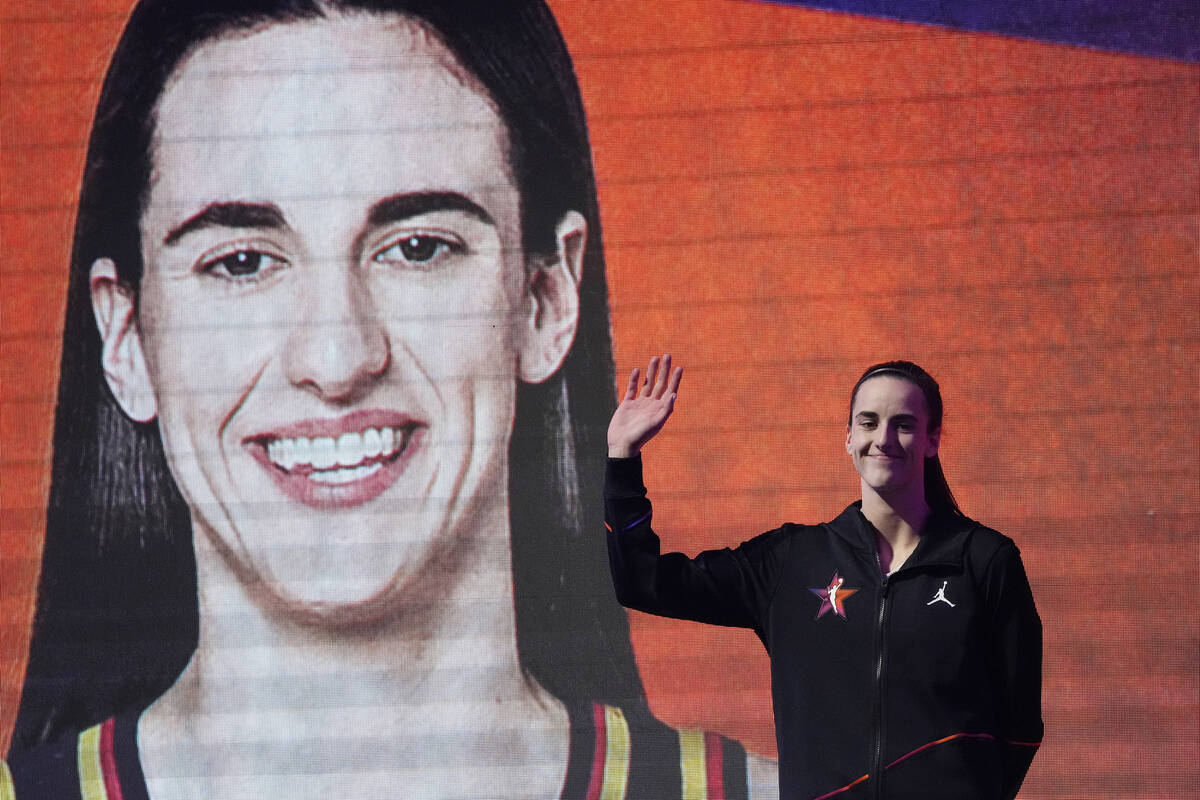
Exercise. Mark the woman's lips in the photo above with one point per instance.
(339, 463)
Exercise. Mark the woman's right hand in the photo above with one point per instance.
(642, 414)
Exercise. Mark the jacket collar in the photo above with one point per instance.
(943, 542)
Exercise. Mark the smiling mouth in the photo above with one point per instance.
(343, 459)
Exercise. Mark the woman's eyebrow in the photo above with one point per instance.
(229, 215)
(400, 207)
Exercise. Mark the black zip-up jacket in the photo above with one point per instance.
(925, 684)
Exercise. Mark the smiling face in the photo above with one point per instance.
(335, 309)
(889, 438)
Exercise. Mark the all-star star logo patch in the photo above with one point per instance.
(833, 596)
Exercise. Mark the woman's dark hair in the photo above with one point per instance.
(937, 491)
(116, 616)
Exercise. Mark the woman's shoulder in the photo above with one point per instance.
(97, 763)
(985, 544)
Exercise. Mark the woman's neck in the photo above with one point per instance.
(899, 521)
(427, 696)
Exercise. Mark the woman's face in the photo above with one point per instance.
(335, 308)
(888, 438)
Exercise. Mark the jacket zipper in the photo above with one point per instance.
(880, 663)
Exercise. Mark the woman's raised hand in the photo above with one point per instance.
(642, 414)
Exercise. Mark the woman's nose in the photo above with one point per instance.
(338, 345)
(886, 438)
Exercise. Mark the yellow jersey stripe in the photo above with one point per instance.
(7, 790)
(616, 755)
(91, 772)
(692, 766)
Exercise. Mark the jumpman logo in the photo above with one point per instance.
(940, 597)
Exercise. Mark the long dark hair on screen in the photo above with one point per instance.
(116, 617)
(937, 490)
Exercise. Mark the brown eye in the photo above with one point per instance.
(420, 248)
(242, 264)
(423, 250)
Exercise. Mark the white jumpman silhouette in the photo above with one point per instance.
(940, 597)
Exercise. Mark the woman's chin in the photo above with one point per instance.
(334, 607)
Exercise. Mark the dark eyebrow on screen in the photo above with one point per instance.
(402, 206)
(229, 215)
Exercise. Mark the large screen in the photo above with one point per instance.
(782, 196)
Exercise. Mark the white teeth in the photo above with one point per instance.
(347, 453)
(336, 476)
(303, 450)
(283, 453)
(372, 443)
(324, 452)
(349, 449)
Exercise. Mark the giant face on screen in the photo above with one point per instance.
(336, 361)
(317, 291)
(335, 310)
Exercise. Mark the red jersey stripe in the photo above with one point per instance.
(714, 763)
(597, 779)
(108, 762)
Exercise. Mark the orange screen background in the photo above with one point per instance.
(790, 195)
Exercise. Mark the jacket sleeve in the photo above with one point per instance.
(1017, 655)
(723, 587)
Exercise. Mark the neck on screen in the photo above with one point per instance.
(434, 691)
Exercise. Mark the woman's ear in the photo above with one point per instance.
(552, 295)
(935, 438)
(122, 357)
